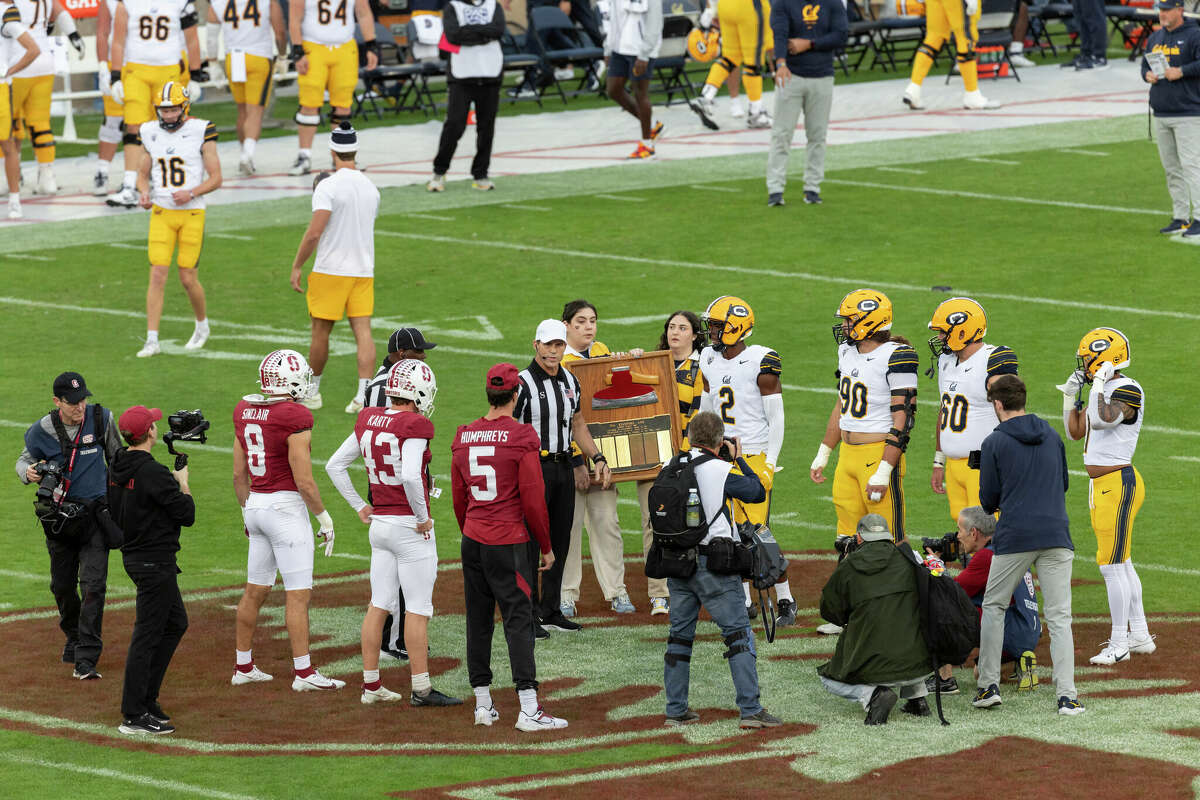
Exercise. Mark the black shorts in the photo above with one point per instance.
(621, 66)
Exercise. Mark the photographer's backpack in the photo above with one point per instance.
(675, 492)
(949, 621)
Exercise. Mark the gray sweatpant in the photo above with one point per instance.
(1053, 567)
(1179, 151)
(813, 97)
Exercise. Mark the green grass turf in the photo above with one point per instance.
(714, 243)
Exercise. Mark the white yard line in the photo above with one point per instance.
(521, 207)
(147, 784)
(1074, 152)
(1001, 161)
(434, 217)
(620, 197)
(28, 257)
(235, 236)
(905, 170)
(709, 188)
(1192, 459)
(127, 246)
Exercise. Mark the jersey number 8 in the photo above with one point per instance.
(256, 451)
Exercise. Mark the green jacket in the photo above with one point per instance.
(873, 595)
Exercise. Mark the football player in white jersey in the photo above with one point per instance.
(31, 90)
(17, 49)
(965, 368)
(147, 39)
(250, 34)
(326, 58)
(871, 419)
(1110, 421)
(742, 386)
(180, 165)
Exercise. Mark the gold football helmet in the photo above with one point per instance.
(173, 95)
(704, 45)
(961, 320)
(728, 320)
(862, 313)
(1100, 345)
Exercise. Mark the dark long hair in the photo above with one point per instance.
(699, 335)
(574, 307)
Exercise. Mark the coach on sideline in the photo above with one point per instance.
(1175, 100)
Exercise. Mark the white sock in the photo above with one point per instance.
(1118, 603)
(755, 106)
(151, 337)
(421, 683)
(202, 325)
(316, 383)
(248, 147)
(305, 152)
(746, 591)
(709, 92)
(483, 697)
(370, 675)
(1016, 48)
(1137, 615)
(529, 701)
(362, 389)
(102, 166)
(244, 657)
(783, 591)
(303, 662)
(130, 180)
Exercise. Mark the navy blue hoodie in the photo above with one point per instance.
(1023, 473)
(1181, 46)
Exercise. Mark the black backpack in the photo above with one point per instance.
(668, 501)
(949, 621)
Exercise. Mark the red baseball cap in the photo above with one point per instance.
(136, 421)
(502, 377)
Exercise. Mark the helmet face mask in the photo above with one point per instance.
(957, 323)
(285, 373)
(861, 314)
(412, 380)
(1102, 345)
(728, 320)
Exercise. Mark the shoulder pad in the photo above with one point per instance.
(903, 359)
(1002, 361)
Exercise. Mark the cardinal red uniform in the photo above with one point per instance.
(499, 500)
(281, 536)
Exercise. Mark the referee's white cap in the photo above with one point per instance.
(551, 330)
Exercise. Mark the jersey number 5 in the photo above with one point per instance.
(485, 471)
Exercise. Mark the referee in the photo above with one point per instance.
(548, 399)
(403, 344)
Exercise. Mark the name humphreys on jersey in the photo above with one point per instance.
(483, 437)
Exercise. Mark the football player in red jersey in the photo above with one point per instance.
(394, 443)
(273, 481)
(499, 499)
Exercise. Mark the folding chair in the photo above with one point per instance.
(517, 59)
(860, 39)
(548, 25)
(670, 68)
(995, 31)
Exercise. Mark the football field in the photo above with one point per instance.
(1052, 229)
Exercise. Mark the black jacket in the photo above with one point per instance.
(1181, 46)
(1023, 473)
(146, 503)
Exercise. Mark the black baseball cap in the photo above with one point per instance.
(70, 387)
(408, 339)
(1167, 5)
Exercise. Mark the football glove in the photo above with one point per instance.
(77, 42)
(1103, 373)
(200, 74)
(325, 532)
(706, 19)
(117, 91)
(103, 78)
(972, 7)
(1070, 387)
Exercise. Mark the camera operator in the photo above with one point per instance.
(149, 503)
(65, 454)
(720, 594)
(1022, 627)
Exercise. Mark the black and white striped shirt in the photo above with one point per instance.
(548, 403)
(374, 396)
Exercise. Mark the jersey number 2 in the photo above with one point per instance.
(726, 395)
(485, 471)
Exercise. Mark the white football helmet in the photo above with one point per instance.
(285, 373)
(413, 380)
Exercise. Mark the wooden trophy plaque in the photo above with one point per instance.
(632, 410)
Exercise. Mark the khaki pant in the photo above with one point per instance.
(1179, 150)
(597, 509)
(812, 97)
(655, 587)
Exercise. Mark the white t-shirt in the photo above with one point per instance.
(11, 50)
(347, 245)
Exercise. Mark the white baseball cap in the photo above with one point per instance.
(551, 330)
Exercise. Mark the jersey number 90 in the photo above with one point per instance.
(854, 398)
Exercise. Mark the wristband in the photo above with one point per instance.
(822, 457)
(939, 459)
(1069, 403)
(880, 478)
(325, 521)
(297, 52)
(373, 47)
(114, 75)
(599, 459)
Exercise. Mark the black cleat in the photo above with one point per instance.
(882, 701)
(918, 707)
(787, 613)
(434, 698)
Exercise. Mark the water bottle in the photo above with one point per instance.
(693, 509)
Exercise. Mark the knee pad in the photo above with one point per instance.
(927, 50)
(336, 119)
(751, 70)
(964, 57)
(676, 658)
(111, 130)
(737, 643)
(726, 64)
(307, 119)
(131, 138)
(42, 138)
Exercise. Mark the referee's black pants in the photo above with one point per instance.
(460, 94)
(496, 574)
(159, 625)
(559, 478)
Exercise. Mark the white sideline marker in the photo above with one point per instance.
(236, 236)
(128, 777)
(434, 217)
(1072, 151)
(905, 170)
(995, 161)
(516, 207)
(620, 197)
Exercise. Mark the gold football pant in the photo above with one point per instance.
(856, 464)
(1114, 500)
(31, 105)
(745, 35)
(942, 18)
(962, 486)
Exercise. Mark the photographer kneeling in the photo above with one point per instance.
(721, 594)
(149, 503)
(65, 455)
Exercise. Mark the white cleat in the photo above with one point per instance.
(380, 695)
(1110, 655)
(760, 120)
(255, 675)
(436, 184)
(737, 109)
(100, 184)
(46, 183)
(354, 406)
(486, 716)
(312, 402)
(912, 97)
(1143, 646)
(1019, 60)
(315, 683)
(149, 349)
(14, 207)
(829, 629)
(199, 337)
(302, 165)
(975, 101)
(540, 721)
(246, 166)
(126, 198)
